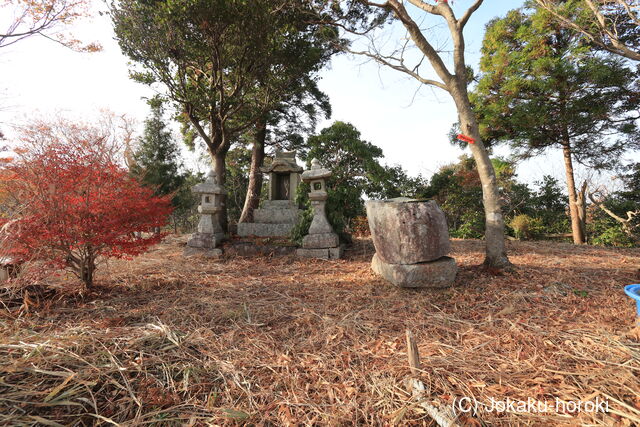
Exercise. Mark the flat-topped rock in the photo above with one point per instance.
(408, 231)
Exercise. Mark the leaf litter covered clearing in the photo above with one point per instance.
(281, 341)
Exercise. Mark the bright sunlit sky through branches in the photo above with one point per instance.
(42, 78)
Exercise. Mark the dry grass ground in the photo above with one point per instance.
(281, 341)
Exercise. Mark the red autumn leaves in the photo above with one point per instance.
(70, 203)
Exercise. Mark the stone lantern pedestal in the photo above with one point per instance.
(321, 242)
(210, 233)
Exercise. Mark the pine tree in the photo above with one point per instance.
(157, 163)
(541, 88)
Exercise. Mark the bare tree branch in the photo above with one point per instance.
(607, 37)
(626, 223)
(399, 67)
(465, 18)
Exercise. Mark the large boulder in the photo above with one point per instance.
(434, 274)
(408, 231)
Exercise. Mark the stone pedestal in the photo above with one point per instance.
(411, 240)
(321, 242)
(440, 273)
(275, 218)
(210, 233)
(203, 252)
(321, 253)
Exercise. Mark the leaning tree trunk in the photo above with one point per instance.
(577, 230)
(252, 201)
(496, 253)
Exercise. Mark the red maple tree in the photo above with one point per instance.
(73, 204)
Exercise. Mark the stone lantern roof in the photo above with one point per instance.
(316, 172)
(209, 186)
(283, 162)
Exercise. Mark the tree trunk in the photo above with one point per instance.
(87, 270)
(220, 169)
(576, 227)
(496, 253)
(582, 209)
(252, 201)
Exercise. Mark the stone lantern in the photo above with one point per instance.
(209, 233)
(322, 241)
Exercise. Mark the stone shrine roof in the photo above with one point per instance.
(283, 161)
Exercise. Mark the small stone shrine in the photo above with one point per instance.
(210, 233)
(277, 215)
(321, 242)
(411, 240)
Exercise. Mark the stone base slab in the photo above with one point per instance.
(440, 273)
(320, 241)
(276, 216)
(205, 240)
(264, 230)
(277, 204)
(203, 252)
(249, 249)
(326, 253)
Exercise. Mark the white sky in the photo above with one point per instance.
(39, 77)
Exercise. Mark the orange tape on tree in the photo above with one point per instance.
(466, 138)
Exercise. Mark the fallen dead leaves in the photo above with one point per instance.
(282, 341)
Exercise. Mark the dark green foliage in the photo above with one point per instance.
(297, 115)
(157, 163)
(526, 227)
(540, 87)
(185, 215)
(157, 156)
(549, 204)
(301, 229)
(224, 63)
(631, 192)
(457, 190)
(357, 172)
(605, 231)
(615, 30)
